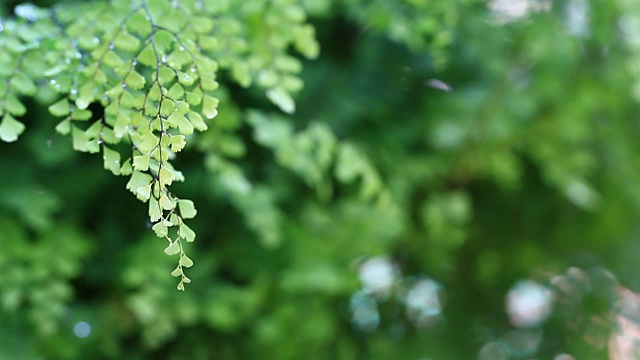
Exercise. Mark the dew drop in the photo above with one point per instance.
(164, 59)
(52, 82)
(96, 40)
(181, 48)
(134, 63)
(78, 55)
(111, 47)
(73, 91)
(124, 85)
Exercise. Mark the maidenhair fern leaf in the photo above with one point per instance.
(151, 66)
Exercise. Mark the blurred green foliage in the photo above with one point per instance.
(364, 157)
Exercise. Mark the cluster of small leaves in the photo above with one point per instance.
(20, 65)
(312, 153)
(145, 66)
(150, 65)
(34, 278)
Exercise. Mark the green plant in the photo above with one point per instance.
(134, 81)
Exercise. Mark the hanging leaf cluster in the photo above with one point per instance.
(133, 80)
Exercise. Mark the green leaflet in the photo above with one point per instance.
(139, 180)
(135, 81)
(165, 176)
(141, 162)
(10, 128)
(172, 249)
(282, 99)
(126, 41)
(187, 209)
(187, 233)
(23, 84)
(111, 160)
(186, 261)
(15, 106)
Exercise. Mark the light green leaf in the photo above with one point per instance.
(165, 202)
(165, 140)
(138, 180)
(182, 107)
(144, 193)
(121, 125)
(113, 94)
(163, 40)
(186, 79)
(126, 168)
(165, 176)
(172, 249)
(86, 95)
(208, 42)
(167, 107)
(64, 127)
(197, 121)
(154, 93)
(208, 83)
(126, 41)
(60, 108)
(187, 233)
(209, 107)
(146, 141)
(148, 57)
(135, 81)
(240, 72)
(282, 99)
(178, 58)
(14, 106)
(177, 272)
(81, 114)
(112, 60)
(160, 154)
(187, 209)
(155, 212)
(178, 120)
(10, 128)
(166, 75)
(141, 162)
(177, 143)
(176, 91)
(80, 139)
(129, 101)
(202, 24)
(139, 24)
(111, 160)
(194, 98)
(185, 261)
(306, 43)
(160, 229)
(23, 84)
